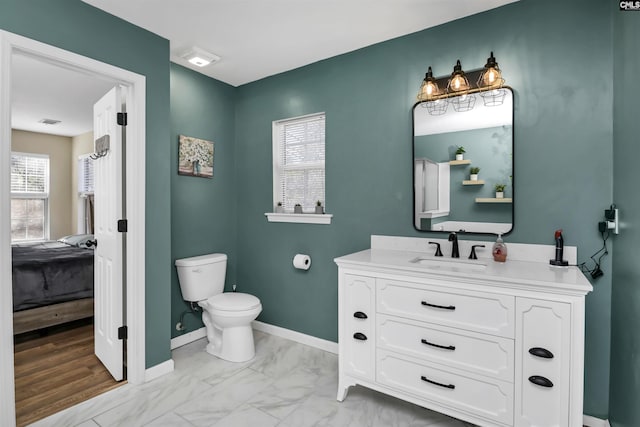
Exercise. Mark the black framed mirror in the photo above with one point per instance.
(448, 197)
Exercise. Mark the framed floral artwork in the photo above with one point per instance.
(195, 157)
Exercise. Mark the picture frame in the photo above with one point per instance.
(195, 157)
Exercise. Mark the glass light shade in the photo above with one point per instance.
(458, 81)
(429, 88)
(491, 76)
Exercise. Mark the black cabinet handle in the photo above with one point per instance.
(541, 352)
(425, 379)
(446, 347)
(360, 336)
(93, 243)
(359, 315)
(444, 307)
(541, 381)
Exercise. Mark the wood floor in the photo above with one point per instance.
(56, 371)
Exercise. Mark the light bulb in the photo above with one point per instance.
(491, 77)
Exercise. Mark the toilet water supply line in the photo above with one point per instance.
(193, 309)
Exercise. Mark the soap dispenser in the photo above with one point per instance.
(499, 250)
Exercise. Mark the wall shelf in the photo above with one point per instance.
(493, 200)
(471, 182)
(459, 162)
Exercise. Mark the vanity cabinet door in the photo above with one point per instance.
(543, 357)
(358, 340)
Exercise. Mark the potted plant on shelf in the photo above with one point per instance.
(297, 208)
(460, 153)
(279, 208)
(319, 209)
(500, 191)
(473, 173)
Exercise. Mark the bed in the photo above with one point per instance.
(52, 282)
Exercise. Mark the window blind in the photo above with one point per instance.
(85, 175)
(301, 150)
(29, 174)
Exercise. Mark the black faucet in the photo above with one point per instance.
(455, 253)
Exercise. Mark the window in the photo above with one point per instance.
(298, 162)
(29, 197)
(85, 175)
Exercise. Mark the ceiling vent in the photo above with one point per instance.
(199, 57)
(49, 121)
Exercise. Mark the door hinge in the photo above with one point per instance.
(122, 225)
(122, 333)
(122, 119)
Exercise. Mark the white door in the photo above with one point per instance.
(108, 268)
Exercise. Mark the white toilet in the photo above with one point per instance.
(227, 316)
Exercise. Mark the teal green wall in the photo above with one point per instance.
(552, 53)
(203, 211)
(80, 28)
(625, 339)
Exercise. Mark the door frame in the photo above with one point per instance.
(135, 200)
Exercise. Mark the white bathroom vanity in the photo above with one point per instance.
(495, 344)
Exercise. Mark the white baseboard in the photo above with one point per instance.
(185, 339)
(299, 337)
(590, 421)
(305, 339)
(158, 370)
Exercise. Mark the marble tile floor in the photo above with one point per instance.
(287, 384)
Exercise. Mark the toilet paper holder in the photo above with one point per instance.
(302, 261)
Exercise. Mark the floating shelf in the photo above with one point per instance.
(471, 182)
(493, 200)
(459, 162)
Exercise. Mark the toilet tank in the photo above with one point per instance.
(201, 276)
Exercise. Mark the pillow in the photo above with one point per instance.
(77, 240)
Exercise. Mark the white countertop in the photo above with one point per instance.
(537, 276)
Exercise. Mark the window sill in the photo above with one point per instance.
(299, 218)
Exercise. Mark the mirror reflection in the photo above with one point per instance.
(462, 159)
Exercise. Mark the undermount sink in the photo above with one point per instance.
(449, 264)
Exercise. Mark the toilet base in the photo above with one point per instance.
(234, 344)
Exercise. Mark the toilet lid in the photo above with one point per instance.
(233, 301)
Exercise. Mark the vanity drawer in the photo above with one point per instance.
(475, 311)
(488, 398)
(469, 351)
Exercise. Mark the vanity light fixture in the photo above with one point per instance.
(429, 95)
(199, 57)
(459, 91)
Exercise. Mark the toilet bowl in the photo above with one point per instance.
(227, 316)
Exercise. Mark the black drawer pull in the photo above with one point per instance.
(359, 315)
(541, 381)
(360, 336)
(446, 347)
(541, 352)
(444, 307)
(425, 379)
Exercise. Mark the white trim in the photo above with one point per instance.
(319, 343)
(299, 218)
(135, 169)
(158, 370)
(187, 338)
(590, 421)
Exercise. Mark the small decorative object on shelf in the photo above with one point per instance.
(297, 208)
(473, 173)
(460, 153)
(279, 208)
(500, 190)
(319, 209)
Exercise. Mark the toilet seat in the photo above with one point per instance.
(233, 302)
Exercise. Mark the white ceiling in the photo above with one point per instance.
(254, 38)
(260, 38)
